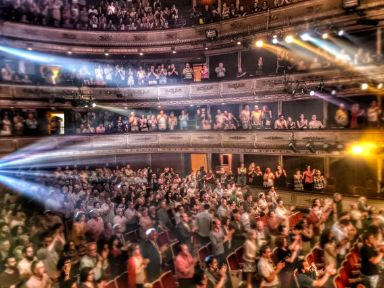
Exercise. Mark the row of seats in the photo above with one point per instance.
(348, 274)
(166, 280)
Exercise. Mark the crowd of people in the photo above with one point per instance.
(75, 234)
(131, 15)
(19, 122)
(261, 117)
(95, 15)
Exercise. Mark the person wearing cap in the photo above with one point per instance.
(151, 250)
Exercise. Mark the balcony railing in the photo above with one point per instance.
(266, 142)
(247, 90)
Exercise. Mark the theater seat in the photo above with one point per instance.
(310, 258)
(175, 248)
(110, 284)
(131, 237)
(234, 269)
(232, 262)
(349, 269)
(203, 253)
(157, 284)
(171, 236)
(338, 283)
(163, 239)
(121, 281)
(239, 254)
(318, 257)
(347, 280)
(168, 280)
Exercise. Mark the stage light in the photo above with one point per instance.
(380, 85)
(305, 36)
(94, 105)
(69, 52)
(174, 51)
(275, 41)
(106, 54)
(340, 33)
(364, 86)
(312, 93)
(289, 39)
(86, 106)
(259, 43)
(325, 36)
(357, 149)
(205, 48)
(141, 53)
(333, 92)
(311, 146)
(29, 49)
(238, 42)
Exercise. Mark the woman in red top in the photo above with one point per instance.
(137, 268)
(308, 178)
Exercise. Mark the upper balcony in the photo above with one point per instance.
(295, 15)
(265, 89)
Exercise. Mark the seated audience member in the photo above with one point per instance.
(220, 71)
(314, 123)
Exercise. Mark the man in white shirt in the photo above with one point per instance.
(24, 265)
(267, 270)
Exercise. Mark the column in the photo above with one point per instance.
(325, 113)
(379, 43)
(219, 6)
(326, 167)
(241, 158)
(239, 59)
(209, 161)
(237, 4)
(279, 107)
(280, 160)
(379, 173)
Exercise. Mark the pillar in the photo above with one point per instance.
(379, 173)
(325, 113)
(209, 161)
(219, 6)
(326, 167)
(379, 42)
(239, 59)
(280, 160)
(237, 4)
(241, 158)
(279, 107)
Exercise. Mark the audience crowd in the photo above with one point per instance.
(128, 15)
(87, 226)
(124, 74)
(25, 122)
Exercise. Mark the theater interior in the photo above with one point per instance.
(191, 143)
